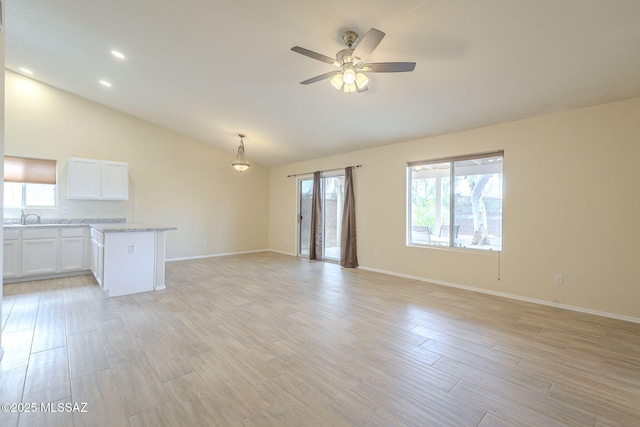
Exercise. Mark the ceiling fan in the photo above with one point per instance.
(350, 75)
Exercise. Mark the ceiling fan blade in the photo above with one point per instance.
(389, 67)
(320, 77)
(368, 43)
(313, 55)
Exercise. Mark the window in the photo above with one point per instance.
(465, 191)
(29, 183)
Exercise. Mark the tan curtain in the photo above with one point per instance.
(348, 252)
(30, 171)
(315, 244)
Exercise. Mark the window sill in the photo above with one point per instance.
(455, 248)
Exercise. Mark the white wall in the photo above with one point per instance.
(174, 180)
(1, 169)
(571, 206)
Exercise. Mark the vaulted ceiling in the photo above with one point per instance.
(211, 69)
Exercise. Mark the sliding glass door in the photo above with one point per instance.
(305, 191)
(332, 207)
(332, 201)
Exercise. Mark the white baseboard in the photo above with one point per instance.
(30, 278)
(510, 296)
(282, 252)
(216, 255)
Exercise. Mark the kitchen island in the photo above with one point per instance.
(128, 258)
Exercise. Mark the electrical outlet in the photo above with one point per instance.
(204, 243)
(557, 279)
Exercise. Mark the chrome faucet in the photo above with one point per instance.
(23, 217)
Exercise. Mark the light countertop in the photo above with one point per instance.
(19, 226)
(61, 222)
(130, 227)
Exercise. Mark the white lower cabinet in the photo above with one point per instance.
(73, 249)
(97, 256)
(11, 254)
(40, 252)
(128, 262)
(39, 256)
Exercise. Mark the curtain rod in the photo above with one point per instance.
(326, 170)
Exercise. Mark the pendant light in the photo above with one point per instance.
(240, 163)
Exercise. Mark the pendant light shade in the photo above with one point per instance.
(361, 80)
(337, 81)
(349, 74)
(240, 163)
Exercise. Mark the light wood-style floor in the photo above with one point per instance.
(270, 340)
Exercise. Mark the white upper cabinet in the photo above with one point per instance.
(84, 179)
(91, 179)
(115, 180)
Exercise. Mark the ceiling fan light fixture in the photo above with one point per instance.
(337, 81)
(349, 74)
(240, 163)
(352, 62)
(361, 80)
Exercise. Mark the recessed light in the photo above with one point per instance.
(26, 71)
(105, 83)
(117, 54)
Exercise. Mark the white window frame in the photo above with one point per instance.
(451, 241)
(26, 187)
(29, 173)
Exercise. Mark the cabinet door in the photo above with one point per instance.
(97, 256)
(115, 180)
(71, 254)
(74, 248)
(39, 256)
(11, 259)
(86, 263)
(129, 262)
(100, 266)
(84, 179)
(94, 257)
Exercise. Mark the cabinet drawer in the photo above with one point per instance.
(11, 234)
(72, 231)
(39, 233)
